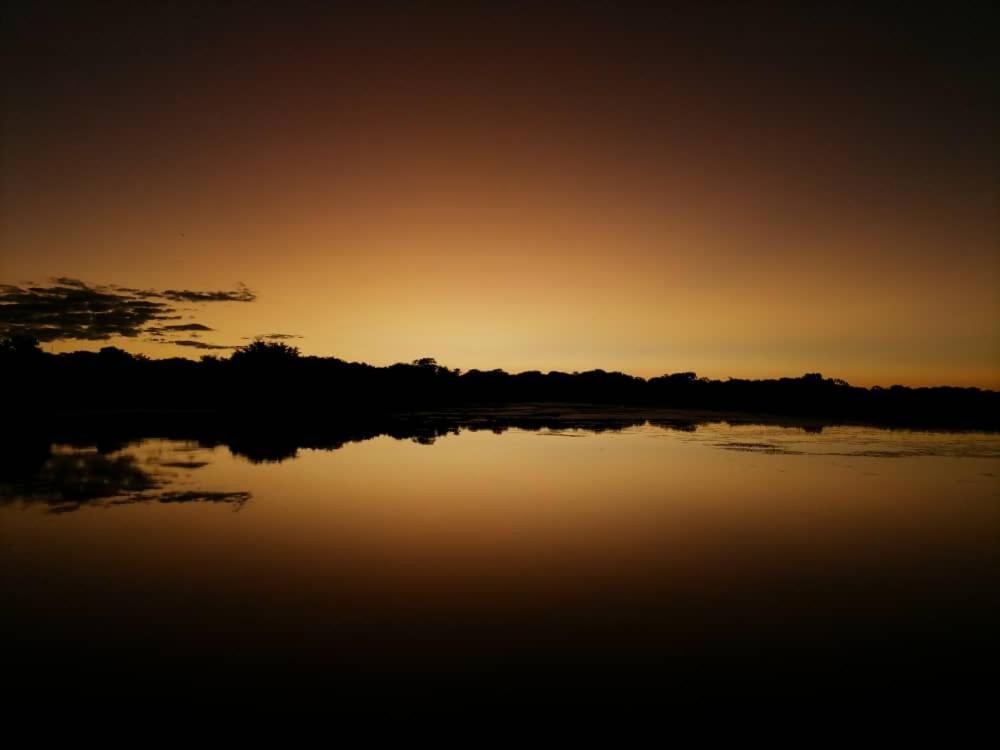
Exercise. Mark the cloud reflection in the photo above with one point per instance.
(64, 480)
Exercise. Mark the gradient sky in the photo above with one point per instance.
(735, 191)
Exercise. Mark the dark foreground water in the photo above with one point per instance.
(549, 560)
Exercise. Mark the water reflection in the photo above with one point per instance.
(94, 465)
(64, 479)
(278, 441)
(532, 549)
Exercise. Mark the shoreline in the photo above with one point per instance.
(472, 416)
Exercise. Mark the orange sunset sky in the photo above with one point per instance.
(732, 190)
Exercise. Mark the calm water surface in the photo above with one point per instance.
(724, 552)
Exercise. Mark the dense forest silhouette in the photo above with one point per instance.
(268, 383)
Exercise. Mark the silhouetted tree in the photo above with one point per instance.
(113, 354)
(265, 352)
(268, 380)
(20, 346)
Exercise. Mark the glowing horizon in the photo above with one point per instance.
(642, 194)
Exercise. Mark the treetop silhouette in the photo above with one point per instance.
(265, 377)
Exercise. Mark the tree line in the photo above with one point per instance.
(267, 380)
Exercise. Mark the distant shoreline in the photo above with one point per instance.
(271, 385)
(281, 435)
(471, 416)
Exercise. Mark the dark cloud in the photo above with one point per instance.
(188, 327)
(242, 294)
(75, 312)
(66, 281)
(141, 293)
(276, 336)
(71, 309)
(178, 328)
(200, 344)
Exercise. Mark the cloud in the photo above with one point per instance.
(67, 311)
(71, 309)
(188, 327)
(275, 336)
(178, 328)
(66, 281)
(200, 344)
(242, 294)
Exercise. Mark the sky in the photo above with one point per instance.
(736, 189)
